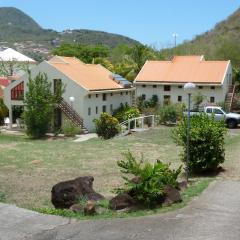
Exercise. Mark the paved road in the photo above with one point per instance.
(215, 215)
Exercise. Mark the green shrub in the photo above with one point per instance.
(170, 113)
(69, 129)
(151, 103)
(125, 112)
(107, 126)
(148, 189)
(3, 111)
(206, 145)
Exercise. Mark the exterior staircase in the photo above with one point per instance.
(230, 98)
(72, 115)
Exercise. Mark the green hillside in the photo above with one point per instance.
(16, 26)
(222, 42)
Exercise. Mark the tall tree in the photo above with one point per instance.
(40, 104)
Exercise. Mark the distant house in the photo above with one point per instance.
(14, 63)
(167, 78)
(90, 90)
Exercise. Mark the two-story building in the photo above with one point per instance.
(166, 79)
(90, 89)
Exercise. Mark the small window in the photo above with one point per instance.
(154, 86)
(212, 87)
(121, 93)
(104, 97)
(89, 96)
(143, 96)
(217, 111)
(111, 94)
(209, 110)
(167, 88)
(144, 86)
(212, 99)
(180, 86)
(126, 93)
(111, 108)
(200, 87)
(89, 111)
(96, 110)
(179, 98)
(96, 95)
(104, 108)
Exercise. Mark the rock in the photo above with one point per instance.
(90, 208)
(136, 180)
(77, 208)
(182, 185)
(172, 195)
(121, 201)
(65, 194)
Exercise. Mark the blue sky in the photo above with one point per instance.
(151, 22)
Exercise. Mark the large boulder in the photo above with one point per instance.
(122, 201)
(172, 195)
(65, 194)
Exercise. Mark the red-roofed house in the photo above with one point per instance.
(4, 82)
(167, 78)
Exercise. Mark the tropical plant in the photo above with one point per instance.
(107, 126)
(198, 98)
(206, 144)
(40, 104)
(125, 112)
(147, 186)
(69, 129)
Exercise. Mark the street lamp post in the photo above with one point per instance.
(72, 99)
(188, 88)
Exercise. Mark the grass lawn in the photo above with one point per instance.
(29, 168)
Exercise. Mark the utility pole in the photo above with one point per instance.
(175, 35)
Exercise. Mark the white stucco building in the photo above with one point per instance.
(89, 89)
(167, 78)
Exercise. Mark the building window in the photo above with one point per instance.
(212, 87)
(111, 94)
(96, 95)
(144, 86)
(167, 99)
(89, 111)
(104, 108)
(18, 92)
(111, 108)
(200, 87)
(143, 96)
(167, 88)
(180, 86)
(104, 97)
(121, 93)
(96, 110)
(154, 86)
(126, 93)
(212, 99)
(89, 96)
(179, 98)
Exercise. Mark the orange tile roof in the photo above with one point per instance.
(183, 69)
(89, 76)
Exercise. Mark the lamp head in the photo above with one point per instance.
(189, 87)
(71, 99)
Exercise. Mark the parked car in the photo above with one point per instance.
(231, 119)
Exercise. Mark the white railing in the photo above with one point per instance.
(137, 124)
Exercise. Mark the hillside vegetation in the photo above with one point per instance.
(220, 43)
(16, 26)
